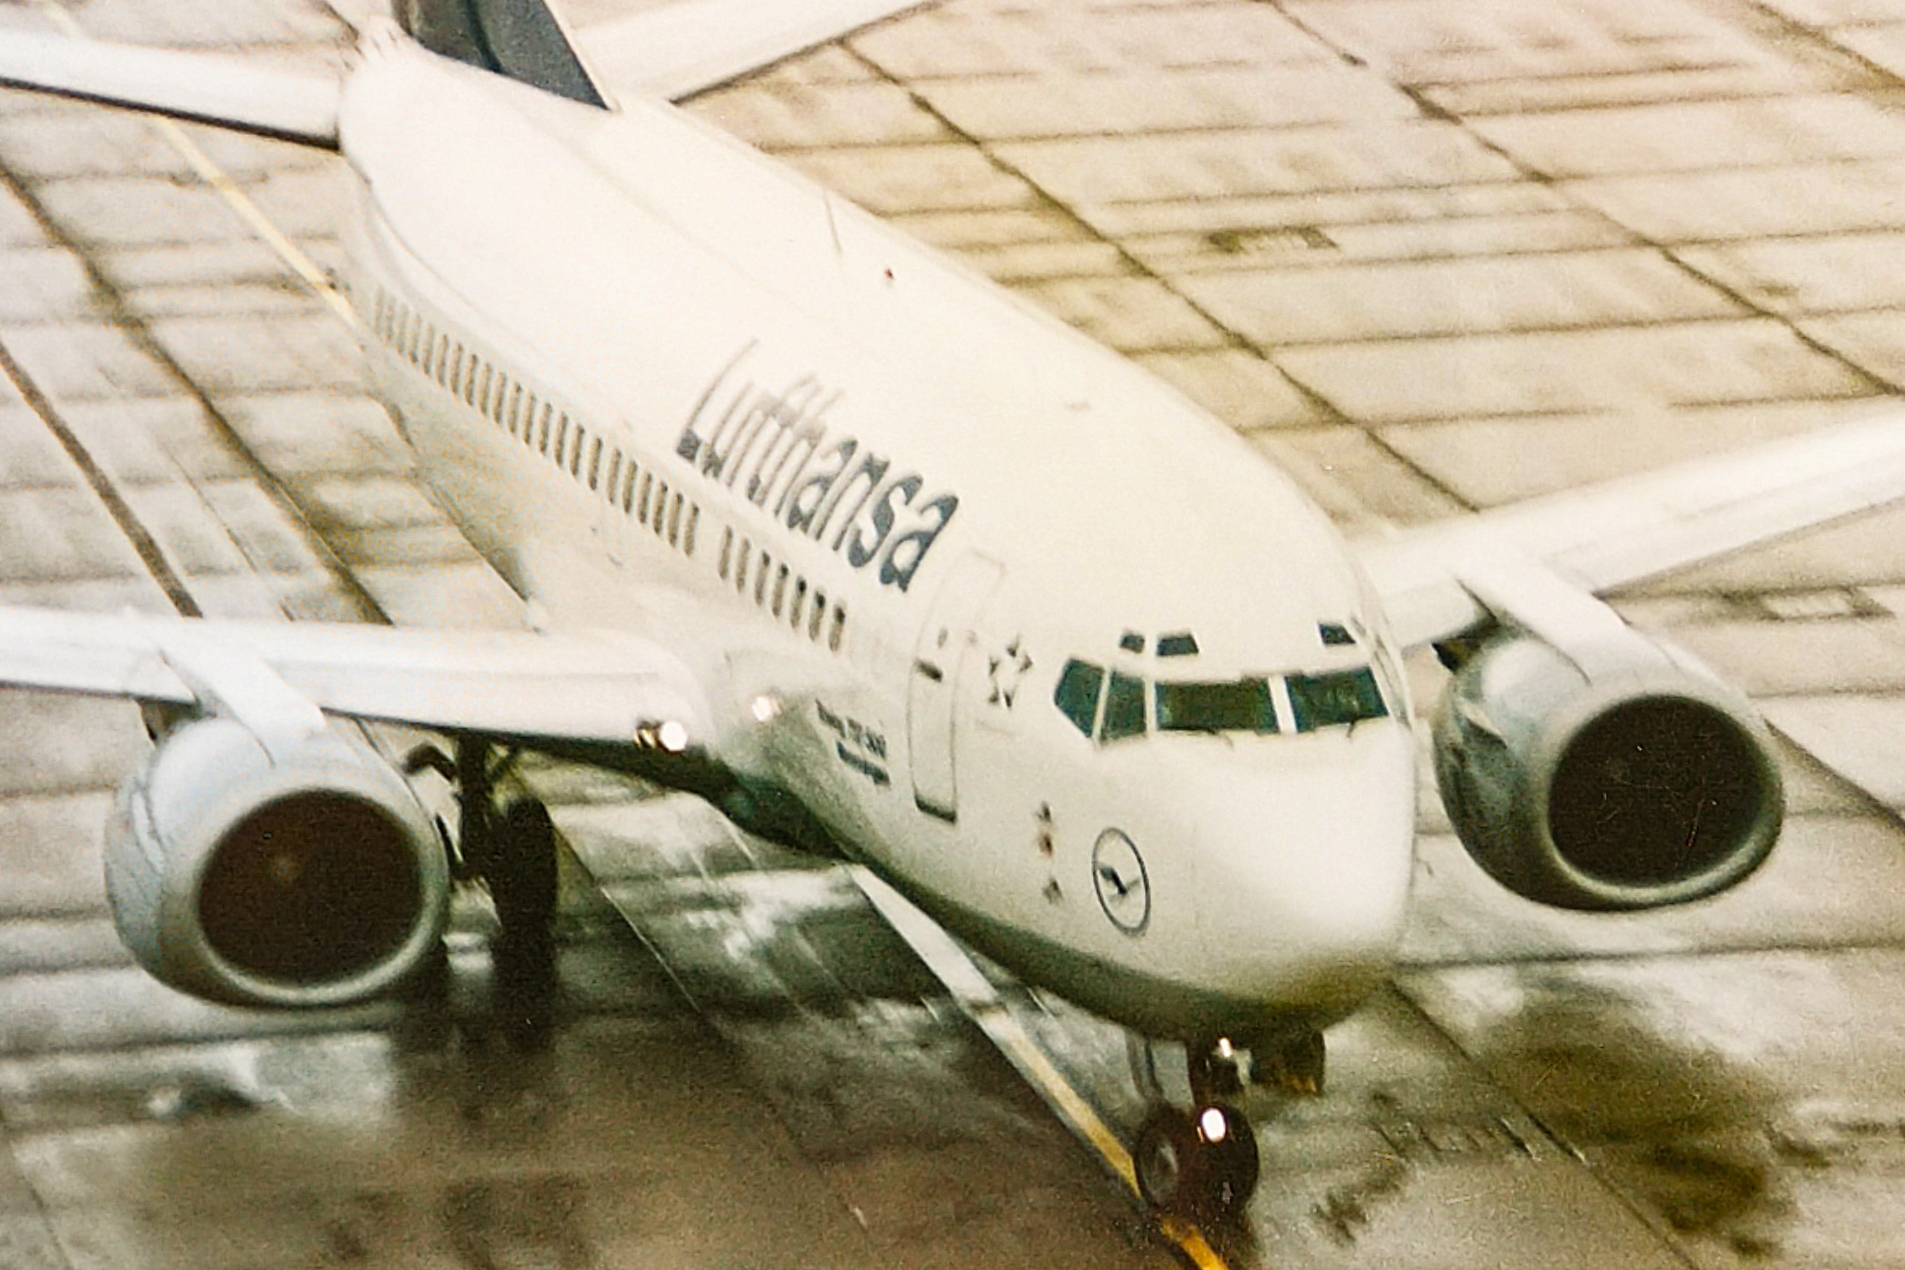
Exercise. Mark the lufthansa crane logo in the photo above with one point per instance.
(1124, 889)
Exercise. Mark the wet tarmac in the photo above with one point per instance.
(1438, 257)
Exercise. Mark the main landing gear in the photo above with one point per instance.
(1203, 1162)
(510, 844)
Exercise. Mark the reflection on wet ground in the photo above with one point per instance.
(1670, 1123)
(1446, 256)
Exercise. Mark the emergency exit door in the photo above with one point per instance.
(946, 652)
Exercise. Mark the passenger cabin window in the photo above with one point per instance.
(1338, 697)
(1242, 705)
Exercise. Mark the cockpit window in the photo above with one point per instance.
(1242, 705)
(1343, 696)
(1108, 706)
(1124, 708)
(1079, 685)
(1180, 644)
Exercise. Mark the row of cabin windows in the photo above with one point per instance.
(805, 608)
(542, 427)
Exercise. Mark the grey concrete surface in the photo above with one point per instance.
(1438, 257)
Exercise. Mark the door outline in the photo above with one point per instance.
(940, 659)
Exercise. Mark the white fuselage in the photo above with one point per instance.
(893, 519)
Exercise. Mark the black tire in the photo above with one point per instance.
(523, 886)
(1229, 1168)
(1166, 1158)
(522, 867)
(1180, 1169)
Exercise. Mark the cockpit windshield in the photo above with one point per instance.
(1342, 696)
(1124, 708)
(1109, 705)
(1242, 705)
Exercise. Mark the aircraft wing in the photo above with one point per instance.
(679, 49)
(509, 684)
(269, 101)
(1439, 581)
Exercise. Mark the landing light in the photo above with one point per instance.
(1213, 1125)
(765, 709)
(670, 735)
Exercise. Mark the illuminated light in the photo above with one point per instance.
(673, 736)
(1213, 1125)
(1225, 1049)
(764, 709)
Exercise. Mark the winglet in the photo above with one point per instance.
(204, 87)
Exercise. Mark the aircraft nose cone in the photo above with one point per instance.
(1304, 875)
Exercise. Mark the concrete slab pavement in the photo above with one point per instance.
(1448, 256)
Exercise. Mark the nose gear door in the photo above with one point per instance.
(945, 653)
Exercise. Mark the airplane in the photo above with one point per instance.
(886, 565)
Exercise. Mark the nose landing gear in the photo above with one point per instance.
(1203, 1162)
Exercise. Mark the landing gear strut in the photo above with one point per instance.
(1202, 1162)
(512, 846)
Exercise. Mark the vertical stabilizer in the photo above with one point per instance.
(521, 39)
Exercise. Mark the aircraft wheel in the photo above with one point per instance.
(1230, 1163)
(1166, 1158)
(1206, 1165)
(522, 866)
(522, 879)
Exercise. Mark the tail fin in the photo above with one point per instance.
(521, 39)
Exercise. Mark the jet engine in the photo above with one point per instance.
(1622, 775)
(306, 875)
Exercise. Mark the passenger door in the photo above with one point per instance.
(944, 654)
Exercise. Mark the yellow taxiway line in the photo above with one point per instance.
(946, 959)
(312, 274)
(981, 1002)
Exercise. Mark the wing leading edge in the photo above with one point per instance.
(204, 87)
(571, 688)
(1442, 580)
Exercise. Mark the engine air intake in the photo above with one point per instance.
(1622, 776)
(1655, 790)
(305, 877)
(311, 889)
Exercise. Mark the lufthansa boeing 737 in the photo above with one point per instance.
(883, 564)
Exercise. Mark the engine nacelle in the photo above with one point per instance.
(313, 880)
(1622, 776)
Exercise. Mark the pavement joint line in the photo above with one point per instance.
(125, 319)
(981, 1003)
(152, 554)
(308, 270)
(136, 326)
(1229, 338)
